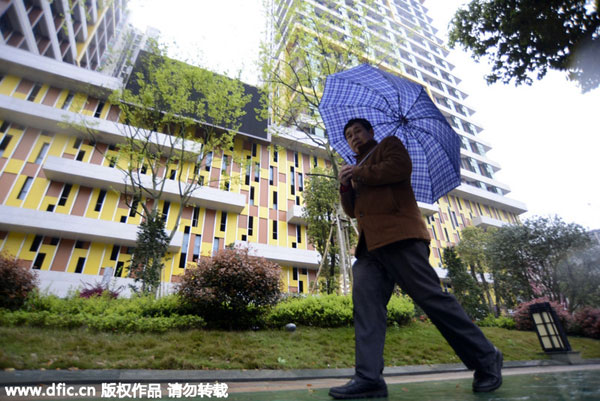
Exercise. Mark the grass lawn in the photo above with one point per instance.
(307, 348)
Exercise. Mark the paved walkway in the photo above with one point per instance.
(299, 385)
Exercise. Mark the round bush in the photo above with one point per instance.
(16, 282)
(587, 321)
(232, 289)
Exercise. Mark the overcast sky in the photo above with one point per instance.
(546, 137)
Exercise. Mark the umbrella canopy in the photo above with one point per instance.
(395, 106)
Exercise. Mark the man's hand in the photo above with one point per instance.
(345, 174)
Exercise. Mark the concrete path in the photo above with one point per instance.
(282, 385)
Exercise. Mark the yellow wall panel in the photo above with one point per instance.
(13, 243)
(36, 192)
(92, 263)
(8, 84)
(108, 208)
(13, 165)
(12, 200)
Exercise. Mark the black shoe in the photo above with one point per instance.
(490, 378)
(359, 389)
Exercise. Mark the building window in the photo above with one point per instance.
(292, 181)
(197, 244)
(224, 164)
(209, 157)
(195, 216)
(4, 144)
(215, 248)
(295, 273)
(315, 161)
(275, 155)
(248, 170)
(172, 174)
(119, 269)
(99, 108)
(254, 150)
(165, 210)
(434, 233)
(80, 155)
(134, 206)
(296, 159)
(275, 200)
(65, 194)
(256, 172)
(184, 247)
(115, 252)
(35, 244)
(39, 261)
(80, 265)
(274, 229)
(68, 101)
(250, 226)
(271, 175)
(42, 153)
(251, 196)
(100, 200)
(447, 236)
(299, 233)
(25, 188)
(300, 182)
(223, 220)
(34, 92)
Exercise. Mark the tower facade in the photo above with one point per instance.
(404, 42)
(62, 204)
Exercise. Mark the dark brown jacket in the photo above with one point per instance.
(382, 199)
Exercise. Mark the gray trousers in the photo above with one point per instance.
(407, 264)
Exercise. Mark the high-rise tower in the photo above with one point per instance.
(398, 36)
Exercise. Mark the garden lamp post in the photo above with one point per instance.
(551, 334)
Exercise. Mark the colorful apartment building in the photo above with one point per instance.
(62, 209)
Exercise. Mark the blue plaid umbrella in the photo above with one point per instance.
(395, 106)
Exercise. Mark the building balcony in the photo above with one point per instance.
(73, 227)
(96, 176)
(283, 255)
(21, 63)
(484, 222)
(471, 193)
(428, 209)
(295, 215)
(486, 180)
(48, 118)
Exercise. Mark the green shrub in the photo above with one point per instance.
(401, 310)
(103, 313)
(232, 289)
(504, 322)
(16, 282)
(332, 311)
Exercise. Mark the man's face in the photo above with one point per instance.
(356, 136)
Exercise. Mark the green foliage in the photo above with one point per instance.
(103, 313)
(503, 322)
(321, 201)
(16, 282)
(524, 259)
(332, 311)
(521, 37)
(578, 276)
(232, 289)
(151, 246)
(464, 287)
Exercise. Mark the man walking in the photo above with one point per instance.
(393, 247)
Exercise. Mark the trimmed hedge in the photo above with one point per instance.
(103, 313)
(332, 311)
